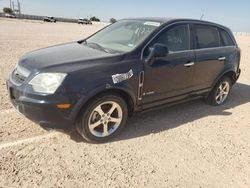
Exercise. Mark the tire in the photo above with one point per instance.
(218, 97)
(98, 116)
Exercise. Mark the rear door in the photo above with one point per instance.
(210, 57)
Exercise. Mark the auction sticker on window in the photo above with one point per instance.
(156, 24)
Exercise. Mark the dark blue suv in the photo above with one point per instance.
(129, 66)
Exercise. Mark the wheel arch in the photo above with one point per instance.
(127, 97)
(229, 73)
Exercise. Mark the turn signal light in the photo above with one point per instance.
(63, 106)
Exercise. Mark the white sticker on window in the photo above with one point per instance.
(117, 78)
(156, 24)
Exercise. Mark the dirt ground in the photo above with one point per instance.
(189, 145)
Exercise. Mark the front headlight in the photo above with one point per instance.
(47, 82)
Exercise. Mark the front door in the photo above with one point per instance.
(171, 75)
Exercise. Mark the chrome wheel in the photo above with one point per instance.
(105, 119)
(222, 92)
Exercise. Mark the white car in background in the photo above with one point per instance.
(10, 15)
(84, 21)
(49, 19)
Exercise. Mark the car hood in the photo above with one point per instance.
(61, 55)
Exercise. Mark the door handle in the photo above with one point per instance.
(222, 58)
(189, 64)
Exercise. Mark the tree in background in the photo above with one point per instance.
(94, 19)
(112, 20)
(7, 10)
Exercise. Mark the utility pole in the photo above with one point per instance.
(19, 7)
(10, 5)
(16, 7)
(13, 7)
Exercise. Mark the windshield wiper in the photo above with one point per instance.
(98, 46)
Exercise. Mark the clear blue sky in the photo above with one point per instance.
(232, 13)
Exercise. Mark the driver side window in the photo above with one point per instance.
(176, 38)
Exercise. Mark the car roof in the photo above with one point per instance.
(165, 20)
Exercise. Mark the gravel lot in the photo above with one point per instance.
(189, 145)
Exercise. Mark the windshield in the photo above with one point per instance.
(123, 36)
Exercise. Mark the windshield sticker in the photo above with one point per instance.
(117, 78)
(156, 24)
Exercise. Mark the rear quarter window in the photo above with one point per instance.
(206, 37)
(225, 38)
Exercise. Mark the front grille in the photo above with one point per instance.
(19, 75)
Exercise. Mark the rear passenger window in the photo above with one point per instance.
(225, 39)
(206, 37)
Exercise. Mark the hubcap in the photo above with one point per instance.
(105, 119)
(222, 92)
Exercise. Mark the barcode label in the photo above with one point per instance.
(117, 78)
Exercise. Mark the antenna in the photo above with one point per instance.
(201, 18)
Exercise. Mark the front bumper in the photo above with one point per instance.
(42, 109)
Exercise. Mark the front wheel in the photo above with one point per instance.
(103, 118)
(220, 93)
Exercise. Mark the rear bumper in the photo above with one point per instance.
(238, 74)
(42, 109)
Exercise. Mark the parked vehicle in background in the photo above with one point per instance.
(49, 19)
(129, 66)
(10, 15)
(84, 21)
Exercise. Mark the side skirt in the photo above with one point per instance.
(171, 104)
(173, 100)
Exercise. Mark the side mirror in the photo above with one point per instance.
(158, 50)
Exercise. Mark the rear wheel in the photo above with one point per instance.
(220, 93)
(103, 118)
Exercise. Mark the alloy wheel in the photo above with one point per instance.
(105, 119)
(222, 92)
